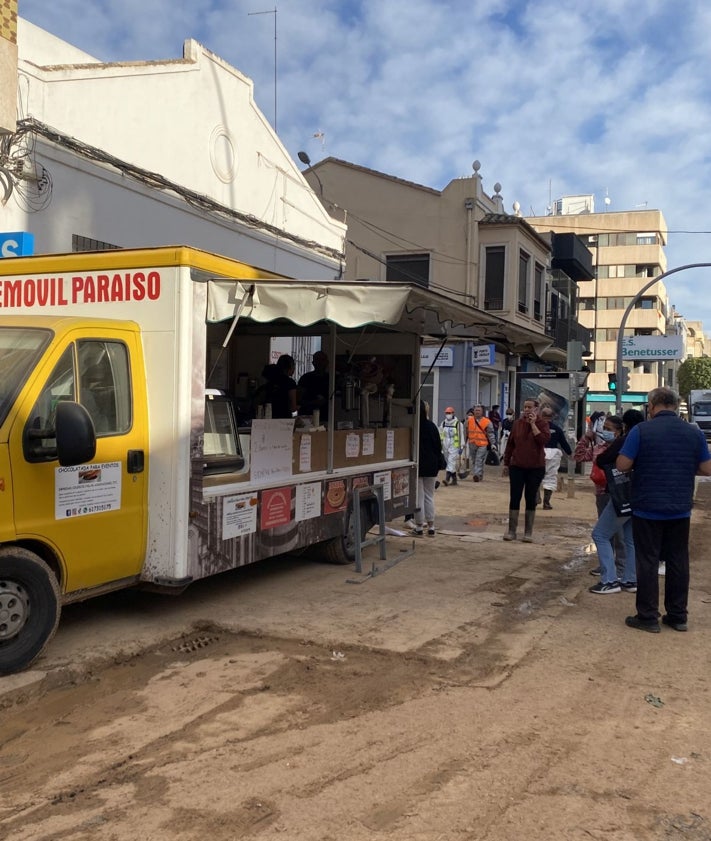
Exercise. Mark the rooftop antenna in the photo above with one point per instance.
(272, 12)
(607, 200)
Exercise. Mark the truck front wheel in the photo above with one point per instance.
(29, 608)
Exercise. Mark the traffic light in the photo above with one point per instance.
(624, 381)
(612, 382)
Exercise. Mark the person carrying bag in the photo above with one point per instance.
(616, 517)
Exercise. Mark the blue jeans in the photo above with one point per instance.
(605, 529)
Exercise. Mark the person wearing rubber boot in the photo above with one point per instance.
(525, 465)
(451, 431)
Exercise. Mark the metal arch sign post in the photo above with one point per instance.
(630, 307)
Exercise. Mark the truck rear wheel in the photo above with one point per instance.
(341, 549)
(29, 608)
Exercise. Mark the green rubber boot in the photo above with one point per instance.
(528, 530)
(513, 525)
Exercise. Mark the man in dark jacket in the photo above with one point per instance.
(666, 454)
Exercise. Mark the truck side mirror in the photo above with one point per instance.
(76, 438)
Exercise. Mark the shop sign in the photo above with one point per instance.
(428, 355)
(17, 244)
(483, 355)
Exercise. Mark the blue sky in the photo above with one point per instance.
(554, 97)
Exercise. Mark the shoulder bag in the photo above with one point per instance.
(619, 486)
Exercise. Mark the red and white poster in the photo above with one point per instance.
(276, 508)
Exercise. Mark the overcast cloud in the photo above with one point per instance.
(554, 97)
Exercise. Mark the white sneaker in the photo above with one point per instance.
(662, 568)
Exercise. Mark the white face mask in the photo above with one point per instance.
(607, 435)
(449, 416)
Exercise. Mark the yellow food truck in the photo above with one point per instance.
(132, 451)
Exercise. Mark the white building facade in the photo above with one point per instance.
(153, 153)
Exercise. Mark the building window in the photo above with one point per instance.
(609, 334)
(615, 303)
(646, 239)
(586, 303)
(617, 271)
(606, 240)
(494, 277)
(523, 261)
(408, 268)
(646, 304)
(80, 243)
(646, 271)
(537, 291)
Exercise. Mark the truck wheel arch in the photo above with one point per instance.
(30, 607)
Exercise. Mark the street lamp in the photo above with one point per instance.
(630, 307)
(305, 159)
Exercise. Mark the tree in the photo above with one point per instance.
(694, 373)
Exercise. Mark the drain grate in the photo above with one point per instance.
(189, 646)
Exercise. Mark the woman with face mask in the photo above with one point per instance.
(590, 445)
(451, 433)
(610, 524)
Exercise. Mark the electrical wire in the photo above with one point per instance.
(30, 127)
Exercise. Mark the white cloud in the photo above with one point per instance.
(551, 97)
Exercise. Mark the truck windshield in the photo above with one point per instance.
(702, 410)
(20, 348)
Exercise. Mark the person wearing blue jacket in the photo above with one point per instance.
(666, 454)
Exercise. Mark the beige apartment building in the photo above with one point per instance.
(627, 249)
(697, 342)
(458, 241)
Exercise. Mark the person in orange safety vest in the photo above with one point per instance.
(480, 436)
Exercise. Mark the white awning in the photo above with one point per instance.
(347, 304)
(342, 303)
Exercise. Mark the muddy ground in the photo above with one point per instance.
(474, 690)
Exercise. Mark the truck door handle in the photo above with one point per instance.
(135, 461)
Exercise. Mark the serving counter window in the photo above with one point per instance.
(368, 377)
(221, 447)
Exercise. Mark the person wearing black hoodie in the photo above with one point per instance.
(430, 462)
